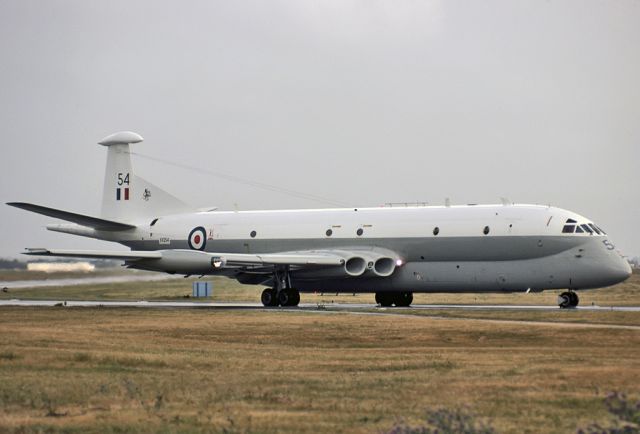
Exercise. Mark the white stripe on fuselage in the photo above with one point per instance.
(376, 223)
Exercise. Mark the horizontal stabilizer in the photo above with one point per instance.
(83, 220)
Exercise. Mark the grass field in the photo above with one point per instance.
(203, 370)
(128, 370)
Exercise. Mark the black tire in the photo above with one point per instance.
(378, 298)
(268, 297)
(284, 297)
(384, 299)
(289, 297)
(295, 299)
(564, 300)
(403, 299)
(574, 299)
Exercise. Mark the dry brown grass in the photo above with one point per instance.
(116, 370)
(555, 316)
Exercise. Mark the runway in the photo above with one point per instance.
(304, 306)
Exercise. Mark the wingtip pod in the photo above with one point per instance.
(121, 138)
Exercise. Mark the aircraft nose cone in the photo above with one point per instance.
(621, 272)
(628, 270)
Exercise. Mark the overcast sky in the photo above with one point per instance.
(362, 102)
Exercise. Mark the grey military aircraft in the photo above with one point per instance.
(391, 251)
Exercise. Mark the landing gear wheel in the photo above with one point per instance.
(568, 299)
(269, 297)
(295, 300)
(384, 299)
(404, 299)
(564, 300)
(289, 297)
(574, 299)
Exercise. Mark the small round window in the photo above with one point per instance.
(486, 230)
(253, 234)
(436, 230)
(359, 232)
(329, 232)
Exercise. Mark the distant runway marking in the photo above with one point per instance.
(349, 308)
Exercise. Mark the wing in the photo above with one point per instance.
(215, 260)
(310, 264)
(83, 220)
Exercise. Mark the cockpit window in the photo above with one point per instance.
(595, 228)
(571, 221)
(568, 229)
(579, 230)
(601, 230)
(587, 228)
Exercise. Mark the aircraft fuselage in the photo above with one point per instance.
(439, 248)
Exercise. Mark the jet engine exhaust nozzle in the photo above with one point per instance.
(384, 266)
(355, 266)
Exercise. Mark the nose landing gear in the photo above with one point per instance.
(568, 300)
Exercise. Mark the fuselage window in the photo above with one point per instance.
(436, 230)
(486, 230)
(359, 232)
(595, 228)
(587, 229)
(568, 229)
(579, 230)
(253, 234)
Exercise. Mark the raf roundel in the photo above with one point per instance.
(197, 238)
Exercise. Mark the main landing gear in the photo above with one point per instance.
(282, 294)
(399, 299)
(287, 297)
(568, 299)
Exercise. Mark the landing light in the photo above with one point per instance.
(217, 262)
(399, 262)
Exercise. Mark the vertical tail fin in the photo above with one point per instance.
(127, 197)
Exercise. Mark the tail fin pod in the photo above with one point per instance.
(127, 197)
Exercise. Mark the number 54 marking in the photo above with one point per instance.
(123, 179)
